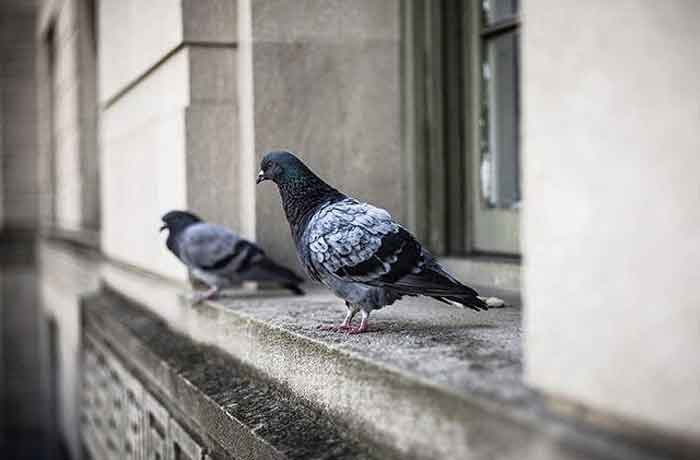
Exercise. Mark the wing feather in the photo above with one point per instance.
(208, 246)
(359, 242)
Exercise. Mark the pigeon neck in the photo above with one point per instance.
(174, 234)
(171, 242)
(301, 197)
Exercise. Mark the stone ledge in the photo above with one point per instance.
(229, 411)
(86, 240)
(431, 381)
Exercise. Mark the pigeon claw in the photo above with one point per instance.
(206, 295)
(358, 330)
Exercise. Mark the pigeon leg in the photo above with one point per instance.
(346, 324)
(363, 325)
(206, 295)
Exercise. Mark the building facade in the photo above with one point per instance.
(544, 150)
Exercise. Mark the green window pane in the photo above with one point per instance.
(494, 11)
(499, 166)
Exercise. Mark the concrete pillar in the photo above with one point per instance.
(17, 101)
(612, 246)
(168, 122)
(21, 392)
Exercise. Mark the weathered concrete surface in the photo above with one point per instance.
(430, 381)
(18, 156)
(66, 272)
(130, 45)
(159, 135)
(498, 272)
(246, 415)
(611, 221)
(467, 352)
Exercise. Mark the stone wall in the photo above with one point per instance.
(611, 220)
(177, 103)
(22, 395)
(168, 122)
(18, 152)
(119, 418)
(326, 85)
(67, 271)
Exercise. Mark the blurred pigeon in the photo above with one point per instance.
(219, 258)
(356, 249)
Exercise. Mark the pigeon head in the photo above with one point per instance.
(176, 221)
(281, 167)
(301, 190)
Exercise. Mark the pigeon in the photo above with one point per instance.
(219, 258)
(355, 249)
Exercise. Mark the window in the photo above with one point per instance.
(70, 98)
(496, 171)
(461, 124)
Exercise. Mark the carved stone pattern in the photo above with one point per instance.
(184, 447)
(157, 418)
(120, 419)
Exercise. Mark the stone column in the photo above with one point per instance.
(169, 122)
(22, 390)
(612, 207)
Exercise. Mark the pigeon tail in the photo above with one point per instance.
(466, 301)
(286, 277)
(435, 282)
(294, 289)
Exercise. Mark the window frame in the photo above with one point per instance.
(494, 230)
(87, 180)
(442, 154)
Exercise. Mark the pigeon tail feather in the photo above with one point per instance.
(294, 288)
(435, 282)
(464, 301)
(285, 276)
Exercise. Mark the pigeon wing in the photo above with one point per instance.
(210, 247)
(358, 242)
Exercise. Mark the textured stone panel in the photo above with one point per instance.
(182, 444)
(116, 412)
(130, 44)
(157, 433)
(134, 423)
(211, 21)
(173, 136)
(611, 224)
(144, 178)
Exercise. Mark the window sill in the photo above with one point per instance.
(499, 276)
(84, 239)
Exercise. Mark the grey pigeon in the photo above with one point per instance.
(219, 258)
(356, 249)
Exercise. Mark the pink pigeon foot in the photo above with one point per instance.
(363, 327)
(357, 330)
(206, 295)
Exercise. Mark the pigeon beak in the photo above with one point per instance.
(163, 227)
(261, 177)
